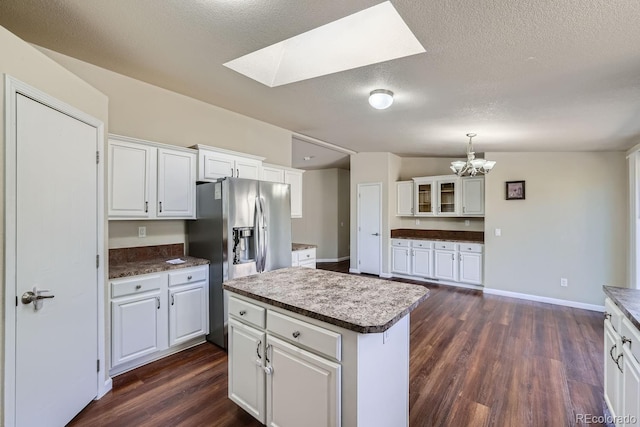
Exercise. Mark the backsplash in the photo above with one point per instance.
(474, 236)
(143, 253)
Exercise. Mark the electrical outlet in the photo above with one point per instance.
(498, 232)
(142, 231)
(564, 282)
(467, 222)
(417, 222)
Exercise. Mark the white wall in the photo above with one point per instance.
(141, 110)
(572, 224)
(325, 220)
(20, 60)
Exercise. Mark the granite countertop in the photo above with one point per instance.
(628, 300)
(361, 304)
(301, 246)
(154, 265)
(439, 240)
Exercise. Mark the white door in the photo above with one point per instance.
(369, 228)
(630, 387)
(176, 184)
(56, 232)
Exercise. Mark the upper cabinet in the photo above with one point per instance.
(215, 163)
(293, 177)
(440, 196)
(148, 180)
(404, 194)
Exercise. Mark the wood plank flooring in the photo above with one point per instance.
(476, 360)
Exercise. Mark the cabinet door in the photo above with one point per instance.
(135, 327)
(215, 165)
(424, 198)
(187, 312)
(176, 184)
(445, 265)
(247, 168)
(272, 174)
(472, 196)
(246, 374)
(303, 389)
(630, 387)
(294, 179)
(404, 195)
(400, 259)
(447, 197)
(470, 267)
(611, 370)
(132, 178)
(422, 262)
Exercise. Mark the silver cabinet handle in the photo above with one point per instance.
(138, 287)
(231, 171)
(296, 334)
(258, 350)
(611, 352)
(243, 312)
(607, 315)
(172, 299)
(453, 257)
(459, 257)
(146, 206)
(158, 301)
(189, 277)
(625, 340)
(160, 206)
(464, 209)
(618, 362)
(237, 173)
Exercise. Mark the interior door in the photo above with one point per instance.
(369, 225)
(56, 229)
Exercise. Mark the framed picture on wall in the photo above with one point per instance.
(515, 190)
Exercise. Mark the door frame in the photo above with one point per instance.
(359, 186)
(13, 87)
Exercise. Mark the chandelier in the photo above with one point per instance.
(472, 166)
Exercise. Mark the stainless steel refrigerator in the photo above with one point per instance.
(243, 227)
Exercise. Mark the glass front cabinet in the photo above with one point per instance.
(436, 196)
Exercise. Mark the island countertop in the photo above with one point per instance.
(361, 304)
(628, 300)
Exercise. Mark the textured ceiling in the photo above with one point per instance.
(558, 75)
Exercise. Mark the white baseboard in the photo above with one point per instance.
(548, 300)
(106, 388)
(344, 258)
(386, 275)
(439, 282)
(354, 270)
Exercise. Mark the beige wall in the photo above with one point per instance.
(572, 224)
(22, 61)
(325, 220)
(141, 110)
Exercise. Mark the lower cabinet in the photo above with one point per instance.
(304, 258)
(448, 261)
(153, 314)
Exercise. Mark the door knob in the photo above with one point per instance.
(375, 234)
(35, 297)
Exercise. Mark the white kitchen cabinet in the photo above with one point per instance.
(137, 318)
(404, 198)
(447, 193)
(436, 196)
(246, 368)
(445, 264)
(215, 163)
(272, 173)
(294, 179)
(154, 315)
(472, 196)
(304, 258)
(630, 387)
(424, 196)
(400, 256)
(148, 180)
(471, 263)
(302, 388)
(422, 262)
(613, 381)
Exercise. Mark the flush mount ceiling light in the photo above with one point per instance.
(367, 37)
(472, 166)
(381, 99)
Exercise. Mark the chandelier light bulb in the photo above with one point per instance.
(381, 99)
(472, 166)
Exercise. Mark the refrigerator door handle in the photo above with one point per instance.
(257, 234)
(264, 239)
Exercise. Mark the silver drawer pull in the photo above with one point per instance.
(138, 287)
(296, 334)
(625, 340)
(243, 312)
(189, 277)
(607, 315)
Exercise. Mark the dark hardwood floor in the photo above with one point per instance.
(476, 360)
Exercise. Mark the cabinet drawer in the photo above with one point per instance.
(450, 246)
(246, 312)
(615, 315)
(630, 332)
(471, 247)
(311, 336)
(184, 277)
(421, 244)
(135, 285)
(306, 254)
(403, 243)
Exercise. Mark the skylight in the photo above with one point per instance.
(367, 37)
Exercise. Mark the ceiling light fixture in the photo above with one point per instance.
(472, 166)
(381, 99)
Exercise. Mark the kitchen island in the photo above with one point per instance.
(318, 348)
